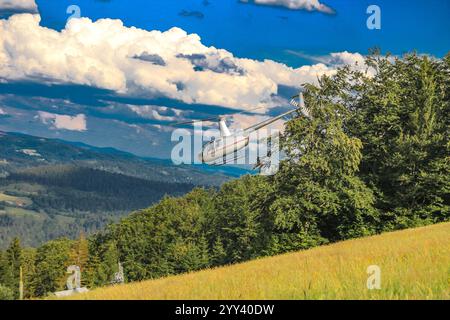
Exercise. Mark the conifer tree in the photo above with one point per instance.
(219, 255)
(204, 256)
(79, 256)
(12, 267)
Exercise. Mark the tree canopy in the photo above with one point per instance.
(373, 157)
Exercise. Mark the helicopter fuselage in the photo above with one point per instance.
(229, 143)
(223, 146)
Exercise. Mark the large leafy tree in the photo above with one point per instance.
(401, 116)
(317, 195)
(52, 260)
(103, 261)
(373, 157)
(235, 224)
(167, 238)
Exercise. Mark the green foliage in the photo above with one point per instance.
(102, 262)
(374, 157)
(164, 239)
(235, 220)
(6, 293)
(401, 116)
(79, 255)
(52, 260)
(71, 188)
(317, 194)
(11, 262)
(29, 271)
(219, 254)
(65, 200)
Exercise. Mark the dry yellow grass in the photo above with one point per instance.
(415, 264)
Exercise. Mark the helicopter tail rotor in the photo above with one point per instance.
(299, 102)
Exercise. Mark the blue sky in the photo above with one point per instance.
(266, 32)
(119, 102)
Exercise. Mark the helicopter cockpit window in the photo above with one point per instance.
(209, 147)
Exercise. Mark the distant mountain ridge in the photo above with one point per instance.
(22, 151)
(52, 188)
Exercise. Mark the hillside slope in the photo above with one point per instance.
(19, 151)
(43, 203)
(52, 188)
(414, 265)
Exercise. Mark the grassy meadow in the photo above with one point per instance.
(414, 263)
(19, 201)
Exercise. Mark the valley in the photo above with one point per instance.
(51, 188)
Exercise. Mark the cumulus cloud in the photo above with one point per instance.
(202, 62)
(241, 121)
(153, 58)
(347, 58)
(156, 113)
(334, 58)
(16, 6)
(57, 121)
(309, 5)
(103, 54)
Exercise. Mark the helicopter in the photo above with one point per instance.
(230, 143)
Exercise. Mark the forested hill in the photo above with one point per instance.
(72, 188)
(51, 188)
(373, 157)
(42, 203)
(18, 151)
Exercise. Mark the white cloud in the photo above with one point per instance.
(309, 5)
(347, 58)
(57, 121)
(18, 5)
(334, 59)
(241, 121)
(2, 112)
(155, 112)
(103, 54)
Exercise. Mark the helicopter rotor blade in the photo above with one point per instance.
(195, 121)
(217, 118)
(249, 110)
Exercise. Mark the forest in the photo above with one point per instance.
(47, 202)
(373, 158)
(52, 188)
